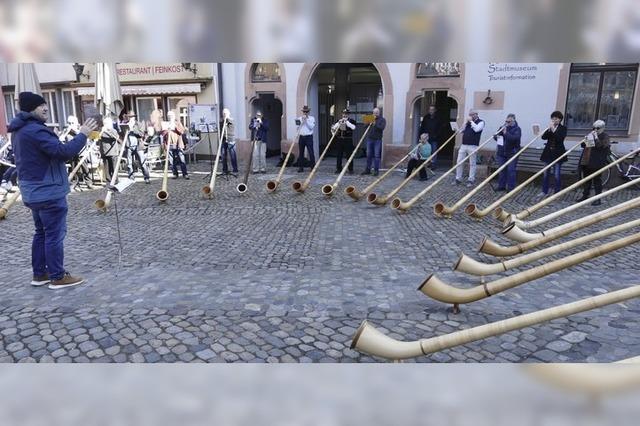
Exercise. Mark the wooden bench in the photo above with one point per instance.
(529, 163)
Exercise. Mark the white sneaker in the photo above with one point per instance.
(541, 195)
(470, 184)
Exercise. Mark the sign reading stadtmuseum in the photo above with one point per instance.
(502, 71)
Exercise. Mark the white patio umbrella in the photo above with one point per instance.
(108, 97)
(26, 80)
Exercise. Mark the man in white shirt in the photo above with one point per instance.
(470, 141)
(345, 127)
(307, 123)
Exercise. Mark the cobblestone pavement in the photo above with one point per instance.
(289, 277)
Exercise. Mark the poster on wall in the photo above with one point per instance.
(203, 117)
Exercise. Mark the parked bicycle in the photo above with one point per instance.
(628, 169)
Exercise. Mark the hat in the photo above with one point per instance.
(346, 111)
(28, 101)
(306, 109)
(131, 114)
(259, 114)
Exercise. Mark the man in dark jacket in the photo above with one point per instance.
(594, 157)
(374, 143)
(508, 144)
(432, 125)
(345, 127)
(42, 178)
(259, 127)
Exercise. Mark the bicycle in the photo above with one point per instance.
(628, 169)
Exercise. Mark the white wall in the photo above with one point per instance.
(532, 101)
(292, 73)
(401, 81)
(47, 73)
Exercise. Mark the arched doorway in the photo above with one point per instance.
(329, 87)
(446, 111)
(271, 109)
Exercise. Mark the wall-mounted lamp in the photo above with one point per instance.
(188, 66)
(78, 69)
(488, 100)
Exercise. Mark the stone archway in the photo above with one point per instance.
(254, 89)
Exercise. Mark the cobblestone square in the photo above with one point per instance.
(289, 277)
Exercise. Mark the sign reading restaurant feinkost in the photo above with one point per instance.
(502, 71)
(146, 72)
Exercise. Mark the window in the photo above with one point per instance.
(68, 104)
(51, 98)
(9, 105)
(438, 69)
(268, 72)
(600, 91)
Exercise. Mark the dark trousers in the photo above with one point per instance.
(413, 163)
(345, 148)
(47, 248)
(10, 175)
(306, 141)
(132, 155)
(231, 151)
(507, 177)
(597, 181)
(109, 166)
(178, 159)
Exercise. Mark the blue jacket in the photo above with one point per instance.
(511, 138)
(259, 133)
(40, 159)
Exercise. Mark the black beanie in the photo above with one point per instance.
(28, 101)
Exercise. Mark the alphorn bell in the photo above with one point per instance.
(475, 212)
(443, 292)
(380, 201)
(504, 216)
(442, 210)
(489, 247)
(272, 185)
(400, 206)
(302, 186)
(103, 205)
(11, 198)
(544, 219)
(471, 266)
(371, 341)
(208, 190)
(243, 186)
(328, 190)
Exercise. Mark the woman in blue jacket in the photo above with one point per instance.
(506, 149)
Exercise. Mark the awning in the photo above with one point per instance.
(150, 89)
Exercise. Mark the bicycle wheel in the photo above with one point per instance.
(605, 176)
(630, 170)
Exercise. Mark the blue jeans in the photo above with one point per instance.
(231, 149)
(10, 175)
(507, 178)
(47, 248)
(374, 152)
(434, 147)
(556, 174)
(177, 155)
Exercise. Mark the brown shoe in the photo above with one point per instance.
(66, 281)
(40, 280)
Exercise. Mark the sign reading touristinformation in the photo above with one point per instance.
(503, 71)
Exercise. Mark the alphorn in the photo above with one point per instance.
(373, 198)
(533, 223)
(401, 206)
(302, 186)
(442, 210)
(163, 194)
(101, 204)
(502, 215)
(369, 340)
(244, 185)
(489, 247)
(328, 190)
(513, 231)
(438, 290)
(208, 190)
(351, 190)
(471, 266)
(11, 198)
(82, 160)
(272, 185)
(475, 212)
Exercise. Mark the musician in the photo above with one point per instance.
(71, 131)
(553, 148)
(470, 141)
(9, 176)
(345, 127)
(109, 148)
(594, 157)
(175, 145)
(307, 123)
(229, 143)
(433, 126)
(374, 143)
(419, 156)
(508, 139)
(40, 160)
(135, 148)
(259, 127)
